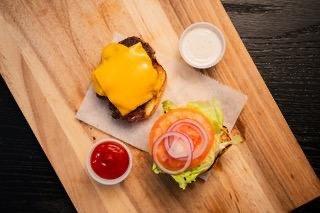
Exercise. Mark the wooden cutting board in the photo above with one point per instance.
(47, 51)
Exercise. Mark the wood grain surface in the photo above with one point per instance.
(45, 39)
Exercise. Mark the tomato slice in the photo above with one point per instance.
(164, 122)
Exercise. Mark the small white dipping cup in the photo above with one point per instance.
(202, 45)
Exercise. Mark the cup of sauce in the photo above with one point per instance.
(202, 45)
(109, 161)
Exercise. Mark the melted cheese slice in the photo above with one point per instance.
(126, 76)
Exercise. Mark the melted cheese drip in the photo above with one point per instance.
(126, 76)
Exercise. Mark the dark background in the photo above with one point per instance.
(282, 36)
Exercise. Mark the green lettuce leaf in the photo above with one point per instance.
(211, 109)
(168, 105)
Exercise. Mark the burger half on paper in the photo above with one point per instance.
(130, 79)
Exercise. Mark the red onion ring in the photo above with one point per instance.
(174, 143)
(194, 124)
(176, 135)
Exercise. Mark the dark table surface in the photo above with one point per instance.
(282, 36)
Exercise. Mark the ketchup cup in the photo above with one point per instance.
(109, 161)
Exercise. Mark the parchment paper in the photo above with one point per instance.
(184, 84)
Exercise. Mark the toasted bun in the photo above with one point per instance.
(145, 110)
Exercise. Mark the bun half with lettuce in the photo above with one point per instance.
(186, 140)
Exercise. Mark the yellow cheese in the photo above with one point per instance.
(126, 76)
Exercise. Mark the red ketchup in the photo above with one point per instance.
(109, 160)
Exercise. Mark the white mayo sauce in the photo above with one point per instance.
(201, 46)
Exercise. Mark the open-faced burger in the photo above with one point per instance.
(186, 140)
